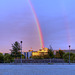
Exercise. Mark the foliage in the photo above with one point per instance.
(50, 63)
(19, 57)
(1, 58)
(59, 54)
(15, 51)
(8, 58)
(50, 53)
(23, 57)
(46, 56)
(37, 57)
(72, 57)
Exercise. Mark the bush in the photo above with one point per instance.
(66, 57)
(59, 54)
(8, 58)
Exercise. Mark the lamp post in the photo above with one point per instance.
(69, 54)
(21, 52)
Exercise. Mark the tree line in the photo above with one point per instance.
(16, 54)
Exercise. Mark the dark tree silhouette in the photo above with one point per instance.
(59, 54)
(50, 53)
(15, 51)
(1, 58)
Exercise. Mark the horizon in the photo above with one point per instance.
(39, 49)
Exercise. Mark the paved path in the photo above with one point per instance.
(37, 69)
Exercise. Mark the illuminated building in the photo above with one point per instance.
(41, 52)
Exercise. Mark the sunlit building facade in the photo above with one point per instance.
(41, 52)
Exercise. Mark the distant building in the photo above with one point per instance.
(42, 52)
(28, 54)
(66, 51)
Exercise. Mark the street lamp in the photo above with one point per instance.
(69, 54)
(21, 51)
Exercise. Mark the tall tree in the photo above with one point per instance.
(61, 53)
(1, 58)
(50, 53)
(15, 51)
(51, 48)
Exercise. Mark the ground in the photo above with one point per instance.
(37, 69)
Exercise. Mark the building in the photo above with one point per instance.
(71, 51)
(28, 54)
(43, 51)
(66, 51)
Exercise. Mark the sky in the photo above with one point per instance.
(56, 18)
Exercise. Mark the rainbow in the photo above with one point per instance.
(37, 23)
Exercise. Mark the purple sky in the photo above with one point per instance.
(56, 19)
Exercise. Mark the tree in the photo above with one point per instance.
(23, 57)
(72, 57)
(50, 53)
(59, 54)
(51, 48)
(1, 58)
(46, 56)
(8, 58)
(15, 51)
